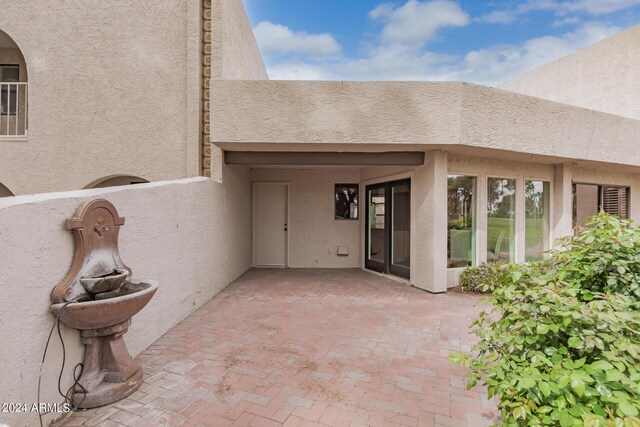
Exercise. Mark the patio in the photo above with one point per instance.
(309, 347)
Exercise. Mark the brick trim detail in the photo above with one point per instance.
(205, 136)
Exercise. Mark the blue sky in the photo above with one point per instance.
(484, 42)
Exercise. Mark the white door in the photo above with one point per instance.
(270, 224)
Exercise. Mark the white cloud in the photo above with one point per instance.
(597, 7)
(562, 22)
(401, 50)
(276, 39)
(559, 8)
(488, 66)
(498, 17)
(496, 64)
(416, 22)
(299, 70)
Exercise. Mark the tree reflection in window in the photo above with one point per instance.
(501, 223)
(346, 201)
(461, 221)
(537, 209)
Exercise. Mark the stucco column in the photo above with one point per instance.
(562, 211)
(429, 225)
(217, 162)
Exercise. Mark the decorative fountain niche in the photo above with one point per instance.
(97, 298)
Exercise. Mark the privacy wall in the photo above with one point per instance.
(192, 236)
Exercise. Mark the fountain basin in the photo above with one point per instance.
(98, 314)
(106, 283)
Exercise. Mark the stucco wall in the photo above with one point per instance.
(603, 76)
(394, 116)
(192, 236)
(111, 90)
(429, 223)
(235, 53)
(314, 233)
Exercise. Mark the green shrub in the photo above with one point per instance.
(485, 277)
(561, 345)
(488, 276)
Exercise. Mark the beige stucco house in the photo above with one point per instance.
(416, 180)
(449, 174)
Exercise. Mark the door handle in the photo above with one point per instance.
(286, 228)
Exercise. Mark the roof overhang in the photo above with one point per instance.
(415, 116)
(324, 158)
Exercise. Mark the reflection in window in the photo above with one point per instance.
(401, 233)
(9, 92)
(589, 199)
(501, 224)
(461, 221)
(377, 221)
(346, 201)
(536, 219)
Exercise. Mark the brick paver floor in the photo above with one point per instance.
(309, 347)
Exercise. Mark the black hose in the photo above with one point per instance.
(68, 396)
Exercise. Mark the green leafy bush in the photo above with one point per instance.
(488, 276)
(485, 277)
(561, 345)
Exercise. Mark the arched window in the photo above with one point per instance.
(14, 90)
(116, 180)
(4, 191)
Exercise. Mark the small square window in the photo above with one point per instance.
(346, 201)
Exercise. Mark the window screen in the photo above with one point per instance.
(615, 201)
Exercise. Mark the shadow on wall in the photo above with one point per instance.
(5, 192)
(115, 180)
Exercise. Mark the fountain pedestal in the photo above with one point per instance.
(109, 372)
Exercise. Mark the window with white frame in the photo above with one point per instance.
(461, 221)
(537, 218)
(501, 220)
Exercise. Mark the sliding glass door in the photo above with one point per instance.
(388, 228)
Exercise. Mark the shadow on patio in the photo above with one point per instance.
(309, 347)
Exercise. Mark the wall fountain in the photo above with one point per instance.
(96, 298)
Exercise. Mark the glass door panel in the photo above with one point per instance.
(401, 228)
(376, 240)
